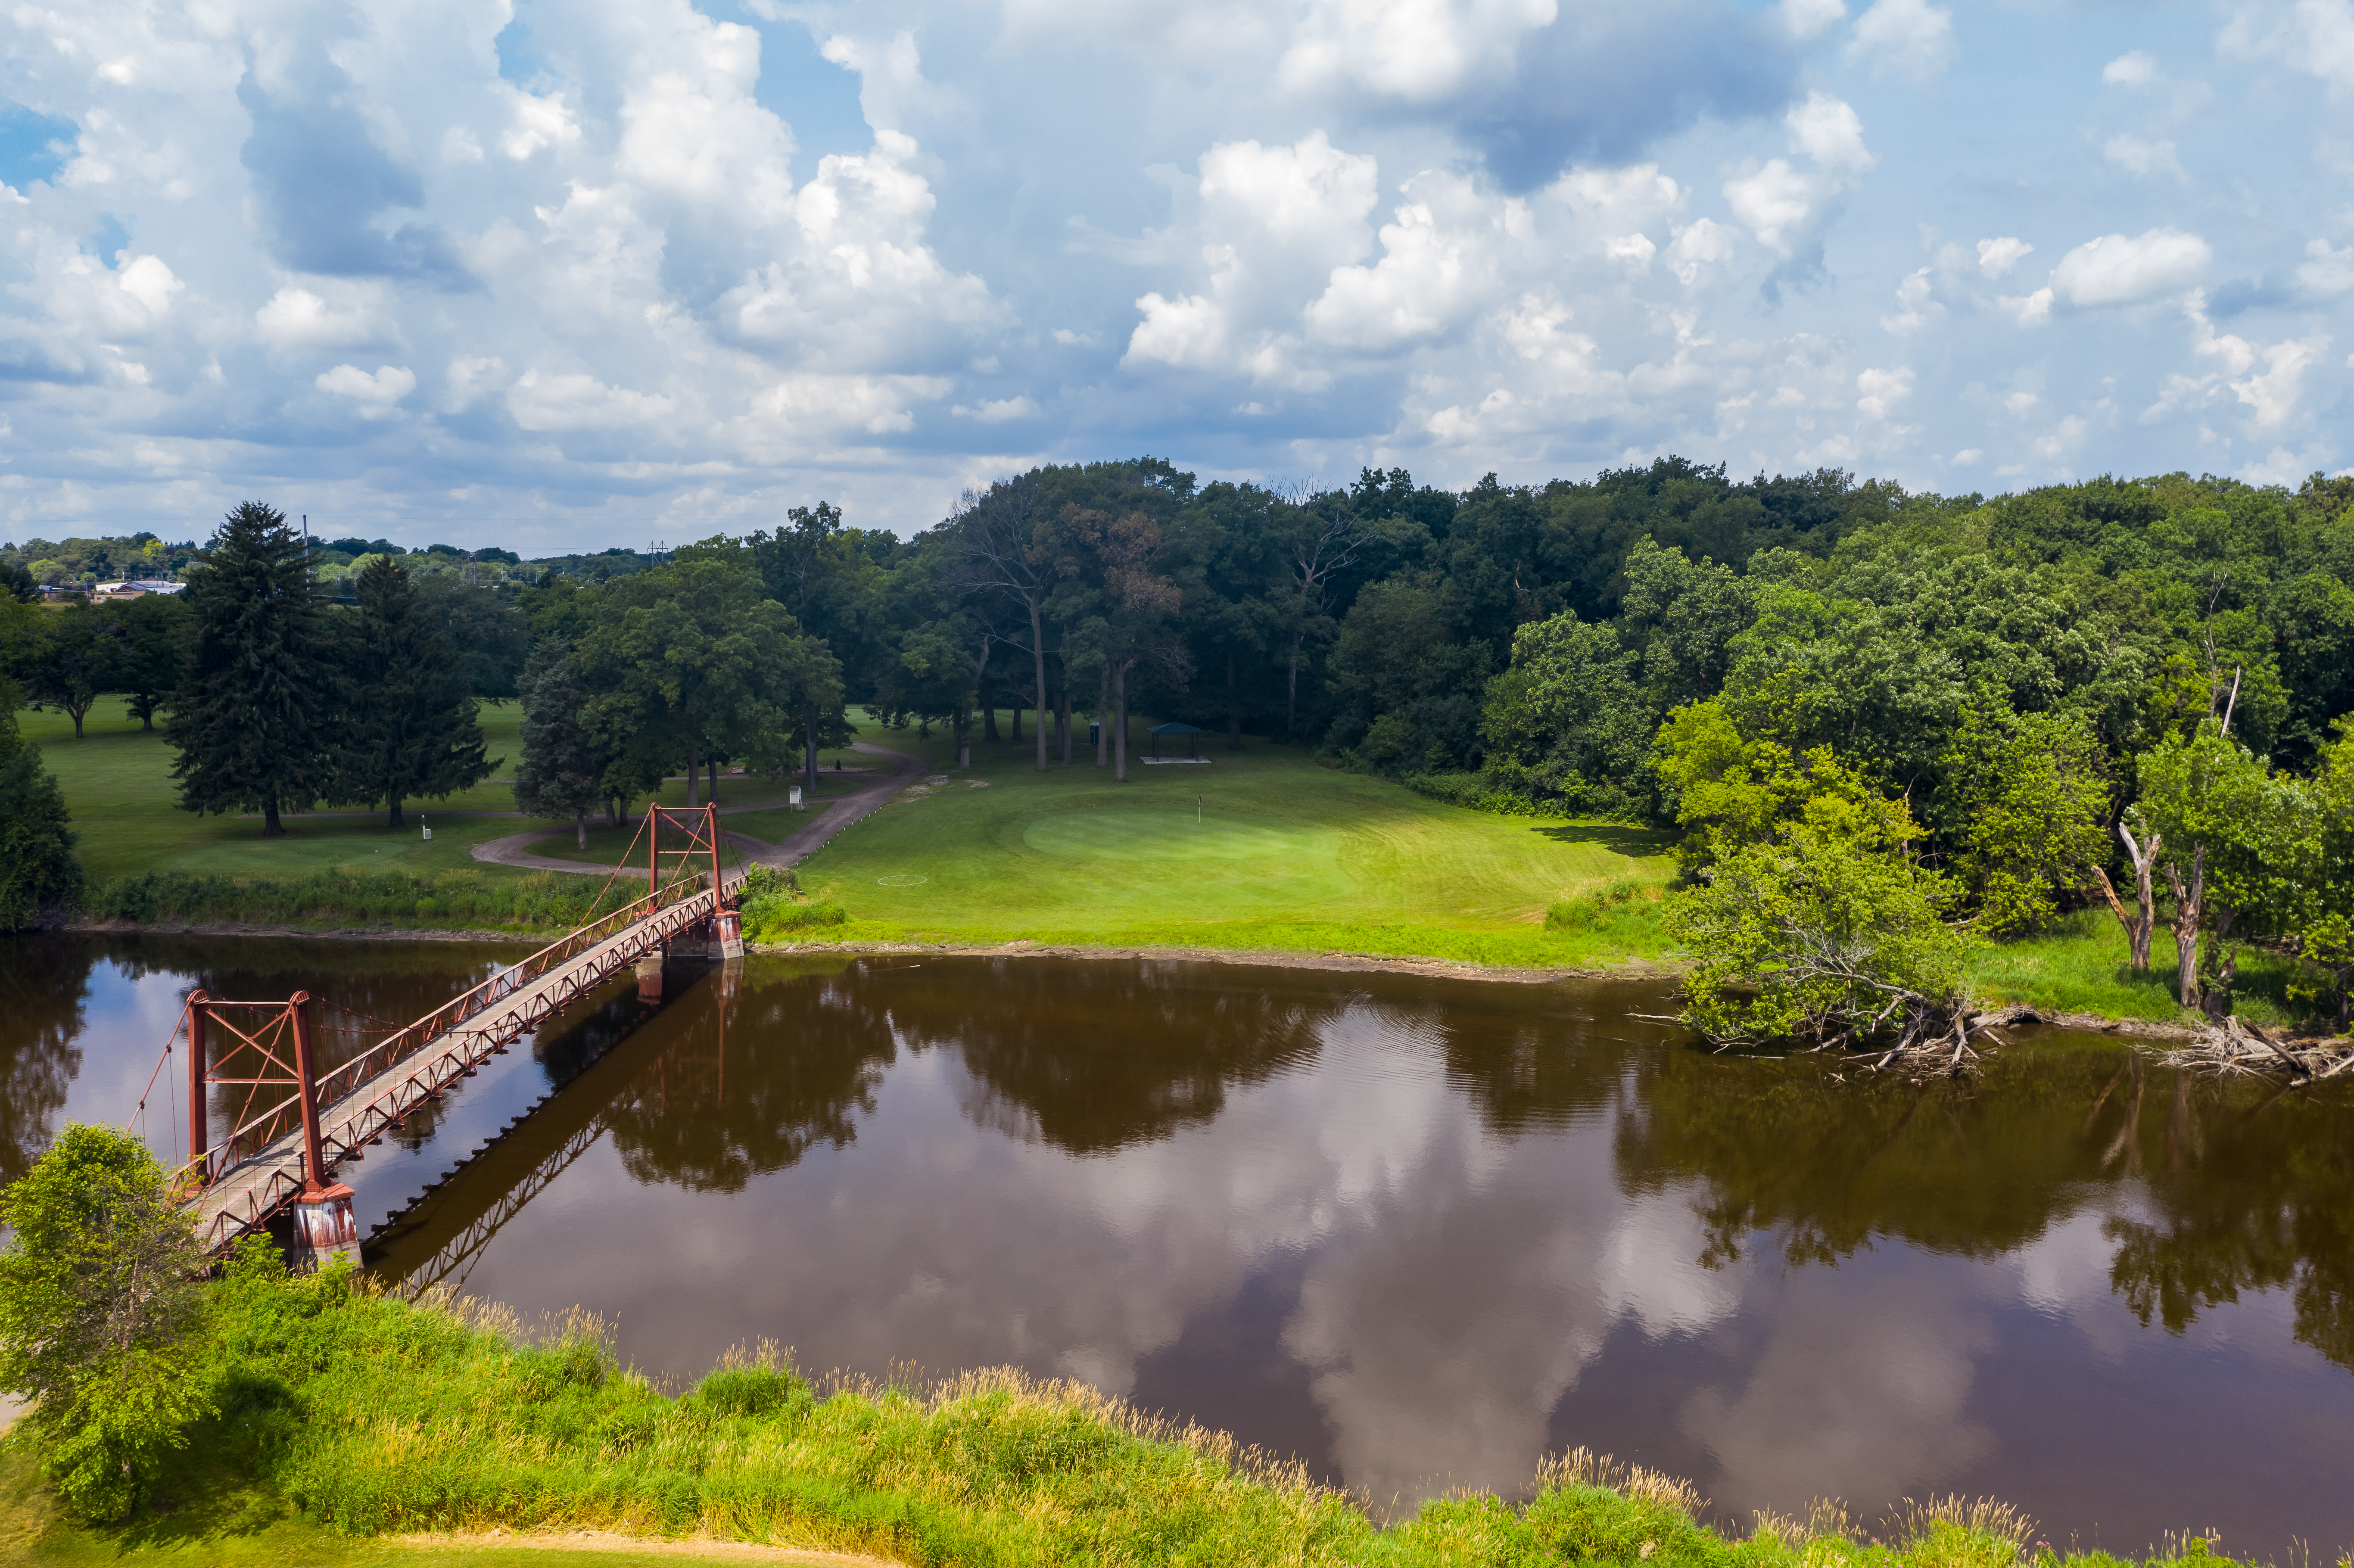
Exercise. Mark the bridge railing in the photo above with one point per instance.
(315, 1092)
(394, 1048)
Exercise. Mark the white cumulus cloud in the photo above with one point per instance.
(1417, 50)
(1828, 131)
(1777, 202)
(1996, 256)
(2117, 269)
(295, 317)
(1881, 390)
(375, 393)
(1909, 37)
(2327, 272)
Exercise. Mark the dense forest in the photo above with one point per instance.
(2131, 693)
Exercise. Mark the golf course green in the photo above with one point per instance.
(1262, 848)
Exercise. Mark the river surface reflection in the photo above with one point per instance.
(1415, 1231)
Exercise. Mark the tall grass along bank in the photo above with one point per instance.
(372, 1416)
(347, 895)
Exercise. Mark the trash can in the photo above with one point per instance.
(1095, 732)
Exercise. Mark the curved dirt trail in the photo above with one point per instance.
(826, 818)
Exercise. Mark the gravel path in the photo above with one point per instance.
(826, 818)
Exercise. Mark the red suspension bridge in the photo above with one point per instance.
(283, 1151)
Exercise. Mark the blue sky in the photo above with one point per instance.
(572, 273)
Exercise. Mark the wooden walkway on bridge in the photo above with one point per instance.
(258, 1169)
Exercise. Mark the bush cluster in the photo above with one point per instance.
(1479, 793)
(773, 907)
(1596, 906)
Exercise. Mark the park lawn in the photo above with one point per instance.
(118, 788)
(1277, 853)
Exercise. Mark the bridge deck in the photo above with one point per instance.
(243, 1197)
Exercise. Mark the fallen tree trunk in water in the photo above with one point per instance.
(2236, 1047)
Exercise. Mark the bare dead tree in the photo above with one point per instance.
(2189, 908)
(2144, 919)
(1315, 561)
(992, 540)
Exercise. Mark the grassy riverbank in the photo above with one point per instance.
(1260, 851)
(348, 1419)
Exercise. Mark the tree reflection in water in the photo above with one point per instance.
(811, 1047)
(1093, 1058)
(2248, 1186)
(41, 996)
(1086, 1058)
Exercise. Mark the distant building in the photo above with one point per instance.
(134, 588)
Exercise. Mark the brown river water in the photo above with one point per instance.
(1416, 1231)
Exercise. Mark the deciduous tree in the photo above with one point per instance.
(77, 659)
(97, 1300)
(1566, 722)
(154, 630)
(2026, 798)
(692, 659)
(1826, 931)
(562, 771)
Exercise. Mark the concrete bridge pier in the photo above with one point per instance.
(650, 976)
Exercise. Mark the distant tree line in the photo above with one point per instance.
(2004, 702)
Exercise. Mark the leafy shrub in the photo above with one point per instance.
(772, 903)
(1591, 909)
(776, 917)
(97, 1302)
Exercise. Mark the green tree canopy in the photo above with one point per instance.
(2025, 798)
(78, 658)
(153, 632)
(1566, 722)
(691, 660)
(1825, 931)
(562, 771)
(37, 869)
(254, 717)
(98, 1295)
(409, 729)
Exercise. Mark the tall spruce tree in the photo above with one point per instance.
(410, 728)
(36, 861)
(254, 719)
(562, 769)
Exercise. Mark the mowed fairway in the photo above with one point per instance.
(1261, 849)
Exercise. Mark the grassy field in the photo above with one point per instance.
(117, 785)
(1261, 849)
